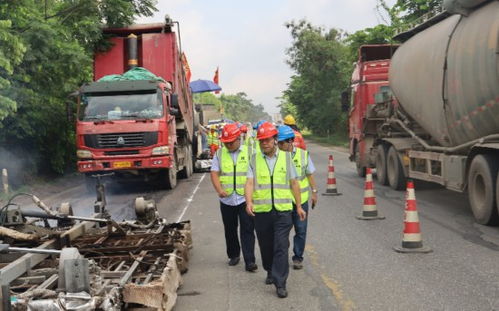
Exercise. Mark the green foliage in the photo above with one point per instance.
(207, 98)
(11, 53)
(46, 52)
(406, 12)
(380, 34)
(239, 107)
(320, 60)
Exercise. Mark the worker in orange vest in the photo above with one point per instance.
(299, 142)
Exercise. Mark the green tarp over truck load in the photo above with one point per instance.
(137, 73)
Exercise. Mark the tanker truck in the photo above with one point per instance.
(140, 125)
(429, 108)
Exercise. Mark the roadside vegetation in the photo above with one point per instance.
(236, 107)
(322, 63)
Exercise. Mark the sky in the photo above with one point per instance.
(247, 40)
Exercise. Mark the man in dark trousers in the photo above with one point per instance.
(228, 176)
(270, 189)
(305, 170)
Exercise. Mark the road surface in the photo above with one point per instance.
(349, 263)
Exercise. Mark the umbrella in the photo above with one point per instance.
(200, 86)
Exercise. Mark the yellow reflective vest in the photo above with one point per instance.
(300, 159)
(272, 189)
(233, 175)
(213, 138)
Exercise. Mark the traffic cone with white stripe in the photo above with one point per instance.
(369, 210)
(331, 181)
(412, 241)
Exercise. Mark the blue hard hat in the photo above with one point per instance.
(284, 133)
(256, 126)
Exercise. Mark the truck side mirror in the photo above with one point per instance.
(345, 101)
(174, 107)
(174, 101)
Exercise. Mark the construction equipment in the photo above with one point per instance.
(90, 263)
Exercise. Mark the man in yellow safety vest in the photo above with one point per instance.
(228, 176)
(270, 189)
(305, 169)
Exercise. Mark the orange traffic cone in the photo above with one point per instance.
(369, 210)
(331, 181)
(411, 242)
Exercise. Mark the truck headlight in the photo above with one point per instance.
(161, 150)
(83, 154)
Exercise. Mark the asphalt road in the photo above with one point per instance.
(349, 263)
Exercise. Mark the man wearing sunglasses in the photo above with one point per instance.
(305, 169)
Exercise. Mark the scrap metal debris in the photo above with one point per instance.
(91, 263)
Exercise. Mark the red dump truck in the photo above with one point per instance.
(430, 111)
(142, 128)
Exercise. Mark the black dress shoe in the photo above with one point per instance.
(251, 267)
(281, 292)
(269, 279)
(234, 261)
(297, 265)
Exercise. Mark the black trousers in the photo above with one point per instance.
(272, 230)
(231, 216)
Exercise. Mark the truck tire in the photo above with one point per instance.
(497, 193)
(168, 178)
(394, 170)
(381, 174)
(482, 189)
(186, 172)
(361, 170)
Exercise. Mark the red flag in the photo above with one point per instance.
(215, 79)
(187, 69)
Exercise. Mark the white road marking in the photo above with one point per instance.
(189, 200)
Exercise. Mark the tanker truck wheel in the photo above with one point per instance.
(481, 189)
(361, 170)
(394, 170)
(381, 165)
(497, 193)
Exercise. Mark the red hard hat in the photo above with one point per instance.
(266, 130)
(243, 128)
(230, 133)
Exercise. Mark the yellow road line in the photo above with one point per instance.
(345, 303)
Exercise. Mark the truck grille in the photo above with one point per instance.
(121, 140)
(121, 152)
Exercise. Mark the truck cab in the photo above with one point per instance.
(369, 75)
(140, 124)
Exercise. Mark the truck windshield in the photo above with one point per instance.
(96, 107)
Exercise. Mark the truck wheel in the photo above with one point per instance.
(497, 192)
(186, 172)
(482, 188)
(394, 170)
(381, 165)
(361, 170)
(168, 177)
(90, 183)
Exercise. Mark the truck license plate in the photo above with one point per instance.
(122, 164)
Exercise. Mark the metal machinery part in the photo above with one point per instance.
(145, 209)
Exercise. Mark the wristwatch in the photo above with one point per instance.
(314, 190)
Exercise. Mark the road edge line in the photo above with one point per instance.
(189, 200)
